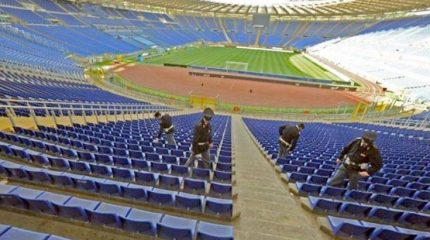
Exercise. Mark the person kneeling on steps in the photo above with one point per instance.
(360, 158)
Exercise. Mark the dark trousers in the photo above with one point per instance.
(171, 138)
(341, 174)
(283, 150)
(204, 163)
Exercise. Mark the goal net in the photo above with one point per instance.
(231, 66)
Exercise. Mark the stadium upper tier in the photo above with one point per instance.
(88, 29)
(397, 58)
(278, 7)
(41, 34)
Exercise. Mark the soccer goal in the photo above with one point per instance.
(231, 66)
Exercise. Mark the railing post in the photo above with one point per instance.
(33, 114)
(11, 109)
(95, 113)
(116, 114)
(70, 112)
(10, 116)
(84, 114)
(54, 116)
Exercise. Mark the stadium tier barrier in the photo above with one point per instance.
(31, 113)
(351, 86)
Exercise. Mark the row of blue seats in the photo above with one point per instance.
(127, 191)
(345, 228)
(137, 160)
(124, 144)
(400, 132)
(364, 185)
(312, 161)
(76, 148)
(143, 142)
(110, 215)
(407, 219)
(195, 180)
(13, 233)
(305, 189)
(401, 177)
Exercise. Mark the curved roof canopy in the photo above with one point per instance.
(292, 8)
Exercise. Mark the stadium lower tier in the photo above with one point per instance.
(120, 161)
(392, 204)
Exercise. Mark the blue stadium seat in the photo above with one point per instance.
(222, 207)
(176, 228)
(194, 186)
(143, 222)
(210, 231)
(189, 202)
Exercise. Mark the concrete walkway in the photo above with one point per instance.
(268, 211)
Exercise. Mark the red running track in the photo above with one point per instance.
(240, 92)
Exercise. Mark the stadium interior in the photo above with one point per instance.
(80, 82)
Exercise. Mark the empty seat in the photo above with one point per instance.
(200, 173)
(354, 210)
(308, 189)
(221, 176)
(210, 231)
(146, 178)
(122, 161)
(297, 177)
(410, 204)
(321, 205)
(101, 170)
(140, 164)
(159, 167)
(108, 215)
(332, 192)
(384, 214)
(81, 167)
(415, 220)
(383, 199)
(346, 228)
(176, 228)
(221, 207)
(104, 159)
(109, 188)
(189, 202)
(220, 190)
(142, 222)
(123, 174)
(180, 170)
(357, 196)
(170, 182)
(161, 197)
(194, 185)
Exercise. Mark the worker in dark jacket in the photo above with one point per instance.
(166, 126)
(360, 158)
(288, 139)
(202, 140)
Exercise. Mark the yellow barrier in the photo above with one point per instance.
(360, 110)
(202, 102)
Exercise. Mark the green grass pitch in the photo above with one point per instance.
(283, 63)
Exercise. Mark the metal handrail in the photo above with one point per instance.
(71, 102)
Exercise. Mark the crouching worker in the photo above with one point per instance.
(289, 135)
(360, 158)
(167, 127)
(202, 140)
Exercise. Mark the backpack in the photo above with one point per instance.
(281, 129)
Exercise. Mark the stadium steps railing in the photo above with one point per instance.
(73, 112)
